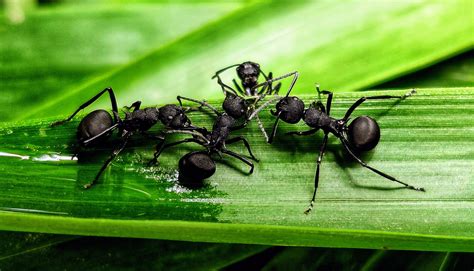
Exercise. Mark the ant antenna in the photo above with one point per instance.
(224, 69)
(318, 90)
(295, 77)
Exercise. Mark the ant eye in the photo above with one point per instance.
(170, 117)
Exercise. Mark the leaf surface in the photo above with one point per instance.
(427, 141)
(61, 47)
(342, 52)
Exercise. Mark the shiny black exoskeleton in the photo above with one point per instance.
(362, 134)
(214, 141)
(194, 167)
(99, 124)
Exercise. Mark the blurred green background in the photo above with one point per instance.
(55, 54)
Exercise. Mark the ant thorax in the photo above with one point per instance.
(173, 116)
(140, 120)
(316, 118)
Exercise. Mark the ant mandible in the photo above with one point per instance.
(99, 124)
(362, 134)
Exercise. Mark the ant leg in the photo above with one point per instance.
(329, 100)
(158, 150)
(135, 106)
(325, 92)
(150, 136)
(219, 80)
(191, 128)
(239, 89)
(295, 77)
(238, 156)
(264, 75)
(224, 69)
(380, 97)
(328, 103)
(276, 89)
(224, 86)
(196, 133)
(113, 127)
(262, 129)
(246, 143)
(107, 162)
(267, 103)
(316, 176)
(346, 145)
(269, 85)
(161, 147)
(202, 103)
(271, 90)
(319, 105)
(275, 125)
(304, 133)
(89, 102)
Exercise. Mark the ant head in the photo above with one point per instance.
(291, 109)
(235, 106)
(248, 72)
(173, 116)
(194, 167)
(363, 133)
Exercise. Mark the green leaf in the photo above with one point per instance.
(426, 141)
(454, 72)
(319, 38)
(58, 48)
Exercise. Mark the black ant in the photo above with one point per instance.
(241, 102)
(99, 124)
(196, 166)
(362, 134)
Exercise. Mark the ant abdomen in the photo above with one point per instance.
(291, 109)
(195, 167)
(363, 133)
(93, 124)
